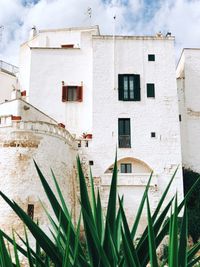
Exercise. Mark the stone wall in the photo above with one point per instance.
(51, 147)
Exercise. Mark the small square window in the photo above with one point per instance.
(79, 144)
(91, 162)
(151, 57)
(126, 168)
(150, 90)
(153, 134)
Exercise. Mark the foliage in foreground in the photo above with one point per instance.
(193, 203)
(109, 241)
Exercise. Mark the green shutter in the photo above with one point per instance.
(150, 90)
(121, 86)
(120, 126)
(137, 87)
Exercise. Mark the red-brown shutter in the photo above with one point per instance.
(80, 93)
(64, 93)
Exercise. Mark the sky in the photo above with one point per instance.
(133, 17)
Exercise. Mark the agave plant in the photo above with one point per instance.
(109, 241)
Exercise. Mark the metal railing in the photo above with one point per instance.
(124, 141)
(7, 67)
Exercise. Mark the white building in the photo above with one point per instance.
(108, 91)
(8, 80)
(188, 80)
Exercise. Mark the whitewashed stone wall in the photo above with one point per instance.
(97, 63)
(160, 115)
(19, 107)
(7, 82)
(45, 66)
(188, 80)
(51, 147)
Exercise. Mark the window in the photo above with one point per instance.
(180, 117)
(124, 131)
(91, 162)
(30, 211)
(67, 46)
(72, 93)
(151, 57)
(129, 87)
(125, 168)
(150, 90)
(153, 134)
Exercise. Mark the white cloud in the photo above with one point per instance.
(181, 17)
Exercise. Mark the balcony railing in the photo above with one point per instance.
(8, 67)
(124, 141)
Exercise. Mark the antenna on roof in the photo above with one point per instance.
(114, 63)
(89, 12)
(114, 19)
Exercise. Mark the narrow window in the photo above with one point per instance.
(129, 87)
(153, 134)
(124, 133)
(30, 211)
(180, 117)
(126, 168)
(150, 90)
(151, 57)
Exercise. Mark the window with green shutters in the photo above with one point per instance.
(124, 133)
(129, 87)
(150, 90)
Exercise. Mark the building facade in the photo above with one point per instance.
(188, 80)
(109, 92)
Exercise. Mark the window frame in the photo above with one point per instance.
(150, 89)
(124, 134)
(151, 57)
(126, 167)
(79, 93)
(30, 210)
(153, 134)
(136, 87)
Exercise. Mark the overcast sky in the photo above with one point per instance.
(133, 17)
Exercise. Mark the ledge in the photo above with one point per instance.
(130, 179)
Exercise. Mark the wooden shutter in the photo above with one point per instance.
(121, 86)
(80, 93)
(64, 93)
(137, 87)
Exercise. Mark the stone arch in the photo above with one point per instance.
(138, 166)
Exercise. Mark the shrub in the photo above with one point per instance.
(193, 203)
